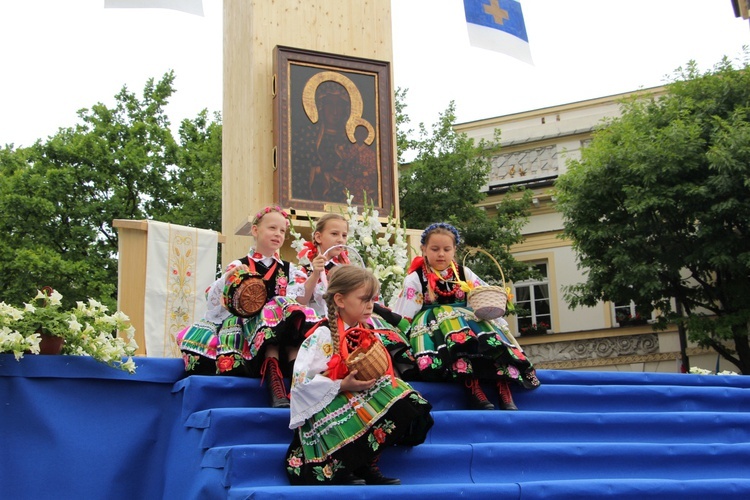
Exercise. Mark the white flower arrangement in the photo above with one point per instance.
(383, 248)
(702, 371)
(86, 330)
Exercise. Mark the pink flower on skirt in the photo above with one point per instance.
(461, 366)
(424, 362)
(258, 341)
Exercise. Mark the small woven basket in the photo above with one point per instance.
(370, 362)
(488, 302)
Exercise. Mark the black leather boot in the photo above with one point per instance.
(477, 398)
(506, 398)
(372, 475)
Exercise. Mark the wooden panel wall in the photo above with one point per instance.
(252, 28)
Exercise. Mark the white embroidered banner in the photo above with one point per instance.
(180, 265)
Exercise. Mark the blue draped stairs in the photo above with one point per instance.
(580, 435)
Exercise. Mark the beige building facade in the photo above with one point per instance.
(536, 146)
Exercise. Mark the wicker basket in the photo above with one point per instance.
(245, 294)
(487, 302)
(370, 362)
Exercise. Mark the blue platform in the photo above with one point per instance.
(73, 428)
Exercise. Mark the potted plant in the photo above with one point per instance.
(85, 330)
(629, 320)
(535, 329)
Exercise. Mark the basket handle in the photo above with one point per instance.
(474, 250)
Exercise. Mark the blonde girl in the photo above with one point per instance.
(265, 342)
(342, 424)
(331, 231)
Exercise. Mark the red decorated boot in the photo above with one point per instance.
(477, 398)
(506, 398)
(276, 387)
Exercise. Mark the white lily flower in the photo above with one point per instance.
(73, 324)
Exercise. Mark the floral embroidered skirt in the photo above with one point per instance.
(354, 429)
(224, 348)
(449, 342)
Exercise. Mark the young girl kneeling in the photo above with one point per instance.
(342, 424)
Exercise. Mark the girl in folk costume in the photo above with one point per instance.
(448, 340)
(324, 253)
(342, 423)
(253, 323)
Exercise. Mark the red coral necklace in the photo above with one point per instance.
(434, 285)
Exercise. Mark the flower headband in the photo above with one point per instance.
(268, 210)
(441, 225)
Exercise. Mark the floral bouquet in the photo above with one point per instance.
(384, 249)
(86, 330)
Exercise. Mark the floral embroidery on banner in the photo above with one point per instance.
(181, 285)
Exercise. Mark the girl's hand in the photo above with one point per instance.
(318, 264)
(351, 384)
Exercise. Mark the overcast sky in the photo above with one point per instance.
(60, 56)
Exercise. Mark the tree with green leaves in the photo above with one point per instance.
(658, 208)
(198, 176)
(443, 183)
(59, 197)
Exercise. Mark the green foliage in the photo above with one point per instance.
(658, 207)
(59, 197)
(446, 174)
(403, 141)
(198, 186)
(444, 182)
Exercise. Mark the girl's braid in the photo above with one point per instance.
(333, 324)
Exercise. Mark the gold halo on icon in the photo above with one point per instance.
(355, 114)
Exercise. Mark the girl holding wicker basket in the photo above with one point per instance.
(448, 339)
(346, 403)
(253, 325)
(325, 252)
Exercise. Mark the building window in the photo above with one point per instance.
(533, 301)
(627, 315)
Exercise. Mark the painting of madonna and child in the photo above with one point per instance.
(333, 127)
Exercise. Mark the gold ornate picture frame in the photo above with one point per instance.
(333, 130)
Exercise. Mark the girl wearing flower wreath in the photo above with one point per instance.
(232, 339)
(448, 340)
(323, 254)
(341, 423)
